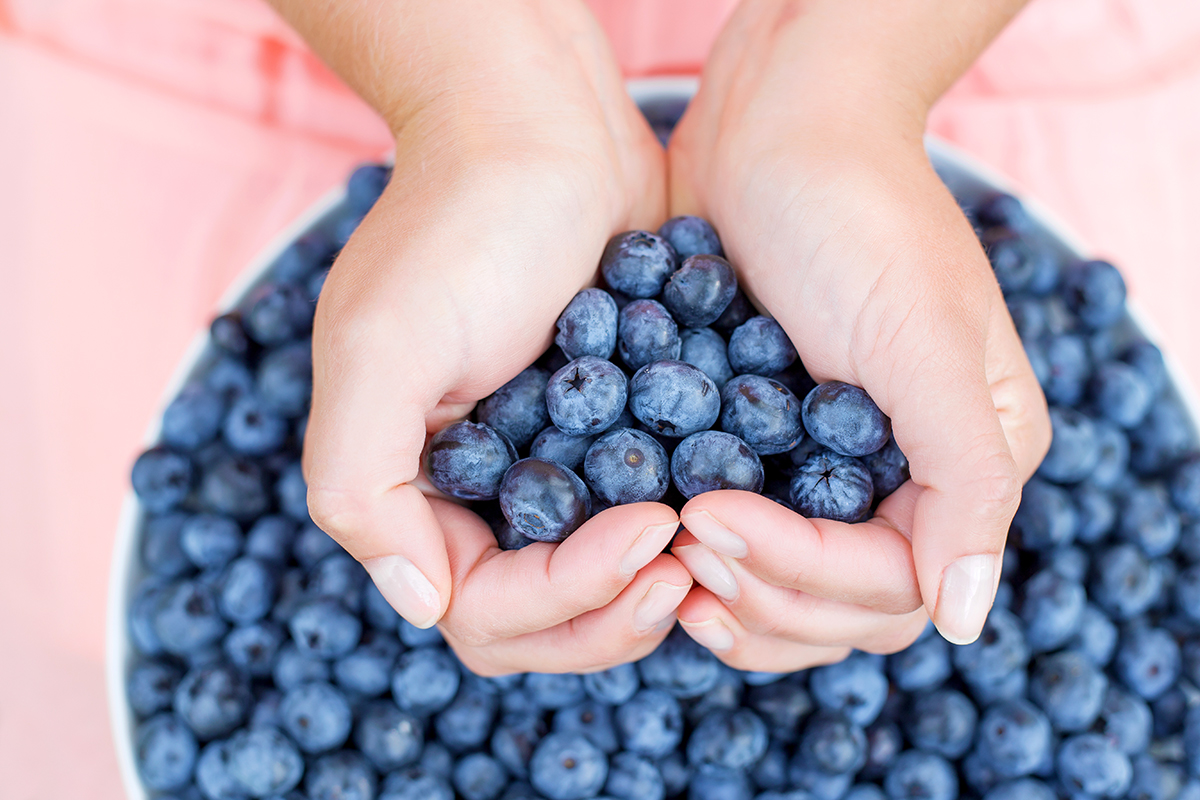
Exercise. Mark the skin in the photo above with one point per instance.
(518, 155)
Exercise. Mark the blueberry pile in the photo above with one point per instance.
(665, 386)
(268, 666)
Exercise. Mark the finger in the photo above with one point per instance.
(869, 564)
(1017, 395)
(768, 610)
(628, 628)
(501, 594)
(704, 618)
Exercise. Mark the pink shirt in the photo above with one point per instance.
(149, 148)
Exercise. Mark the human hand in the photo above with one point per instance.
(813, 170)
(507, 185)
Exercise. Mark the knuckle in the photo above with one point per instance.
(472, 635)
(895, 637)
(334, 510)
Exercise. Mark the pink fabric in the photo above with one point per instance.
(149, 148)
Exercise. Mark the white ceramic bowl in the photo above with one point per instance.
(965, 177)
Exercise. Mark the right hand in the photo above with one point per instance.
(504, 193)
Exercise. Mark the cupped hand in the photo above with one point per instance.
(840, 229)
(501, 200)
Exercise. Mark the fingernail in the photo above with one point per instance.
(406, 588)
(659, 603)
(711, 633)
(709, 570)
(968, 587)
(646, 547)
(704, 526)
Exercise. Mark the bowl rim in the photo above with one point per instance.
(124, 573)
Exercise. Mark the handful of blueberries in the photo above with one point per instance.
(704, 395)
(268, 666)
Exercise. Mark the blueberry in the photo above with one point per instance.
(514, 738)
(228, 334)
(1095, 291)
(277, 312)
(518, 408)
(151, 685)
(1148, 661)
(762, 412)
(412, 636)
(291, 491)
(861, 791)
(1046, 517)
(1014, 738)
(725, 695)
(317, 716)
(1124, 582)
(700, 291)
(1185, 485)
(586, 396)
(544, 500)
(1069, 369)
(161, 551)
(253, 648)
(1074, 449)
(1148, 520)
(162, 478)
(567, 767)
(690, 236)
(1125, 719)
(637, 263)
(416, 784)
(230, 377)
(365, 185)
(185, 618)
(740, 311)
(675, 772)
(856, 687)
(234, 486)
(760, 346)
(650, 723)
(924, 664)
(674, 398)
(554, 445)
(590, 718)
(337, 577)
(646, 332)
(833, 744)
(942, 722)
(1121, 393)
(845, 419)
(1052, 608)
(588, 325)
(213, 701)
(1070, 689)
(478, 776)
(920, 774)
(284, 379)
(832, 486)
(367, 670)
(554, 690)
(733, 739)
(817, 783)
(387, 736)
(468, 460)
(1164, 437)
(509, 538)
(194, 417)
(325, 628)
(1000, 208)
(1089, 765)
(1028, 316)
(264, 762)
(704, 349)
(627, 466)
(782, 705)
(210, 540)
(213, 778)
(884, 743)
(293, 668)
(1096, 639)
(680, 666)
(888, 467)
(165, 751)
(1095, 513)
(712, 460)
(1148, 360)
(466, 723)
(614, 685)
(1011, 256)
(632, 777)
(999, 651)
(340, 776)
(425, 681)
(1113, 446)
(1021, 789)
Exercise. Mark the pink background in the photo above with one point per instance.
(149, 148)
